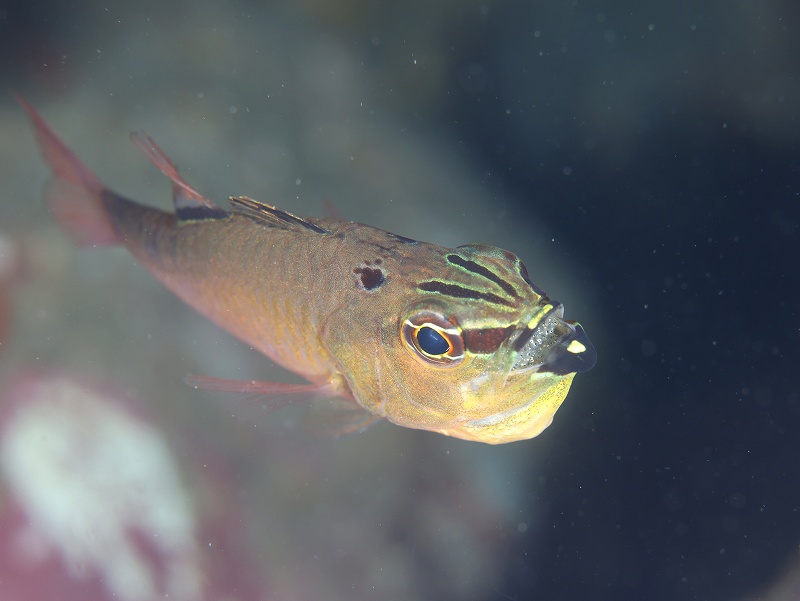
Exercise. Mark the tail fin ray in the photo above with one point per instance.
(75, 195)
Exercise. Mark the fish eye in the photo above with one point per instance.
(433, 338)
(431, 342)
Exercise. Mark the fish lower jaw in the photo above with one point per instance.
(519, 423)
(501, 428)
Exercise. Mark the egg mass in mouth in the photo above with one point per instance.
(551, 344)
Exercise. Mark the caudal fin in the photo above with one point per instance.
(75, 195)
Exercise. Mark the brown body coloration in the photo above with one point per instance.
(456, 341)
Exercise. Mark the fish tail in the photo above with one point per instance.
(76, 195)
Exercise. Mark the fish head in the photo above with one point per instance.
(468, 347)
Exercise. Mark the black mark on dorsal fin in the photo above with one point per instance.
(401, 239)
(197, 213)
(270, 215)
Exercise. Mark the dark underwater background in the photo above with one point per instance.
(642, 159)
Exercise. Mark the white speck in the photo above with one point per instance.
(232, 110)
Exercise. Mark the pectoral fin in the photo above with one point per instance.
(334, 416)
(256, 387)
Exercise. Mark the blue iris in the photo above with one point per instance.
(431, 341)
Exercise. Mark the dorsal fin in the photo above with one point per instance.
(332, 211)
(270, 215)
(189, 203)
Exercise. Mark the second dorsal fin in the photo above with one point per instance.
(190, 205)
(273, 216)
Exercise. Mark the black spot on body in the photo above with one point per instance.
(369, 278)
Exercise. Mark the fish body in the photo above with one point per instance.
(457, 341)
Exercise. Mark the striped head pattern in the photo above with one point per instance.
(469, 346)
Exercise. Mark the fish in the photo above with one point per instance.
(457, 341)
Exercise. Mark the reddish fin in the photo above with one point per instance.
(76, 194)
(331, 211)
(254, 386)
(252, 397)
(341, 417)
(335, 417)
(189, 203)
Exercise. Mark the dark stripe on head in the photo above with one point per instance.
(460, 292)
(479, 269)
(487, 340)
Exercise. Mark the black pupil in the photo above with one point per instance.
(431, 341)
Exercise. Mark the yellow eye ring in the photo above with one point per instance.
(433, 338)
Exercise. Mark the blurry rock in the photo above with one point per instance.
(96, 508)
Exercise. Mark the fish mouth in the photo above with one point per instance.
(549, 343)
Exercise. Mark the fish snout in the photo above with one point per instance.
(555, 345)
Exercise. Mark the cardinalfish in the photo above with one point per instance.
(456, 341)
